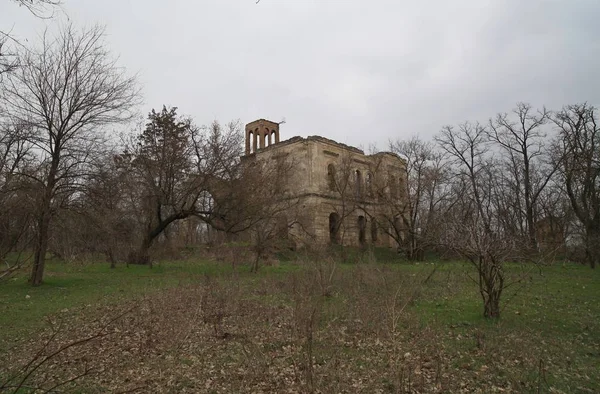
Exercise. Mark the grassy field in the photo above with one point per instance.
(23, 308)
(305, 325)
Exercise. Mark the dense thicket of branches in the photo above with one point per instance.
(63, 94)
(529, 177)
(578, 159)
(175, 171)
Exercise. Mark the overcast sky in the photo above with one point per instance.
(357, 71)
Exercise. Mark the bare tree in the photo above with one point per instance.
(270, 210)
(345, 183)
(180, 171)
(522, 138)
(410, 211)
(578, 151)
(388, 205)
(110, 224)
(15, 196)
(161, 162)
(471, 227)
(557, 222)
(66, 91)
(96, 220)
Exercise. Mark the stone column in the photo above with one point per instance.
(248, 133)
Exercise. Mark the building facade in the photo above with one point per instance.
(344, 194)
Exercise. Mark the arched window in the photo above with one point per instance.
(358, 181)
(250, 142)
(370, 184)
(334, 228)
(274, 136)
(331, 177)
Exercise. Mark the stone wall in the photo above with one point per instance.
(313, 158)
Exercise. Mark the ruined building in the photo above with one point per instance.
(343, 193)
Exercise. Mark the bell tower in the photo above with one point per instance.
(260, 134)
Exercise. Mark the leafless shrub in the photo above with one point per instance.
(231, 254)
(218, 302)
(401, 293)
(323, 266)
(307, 306)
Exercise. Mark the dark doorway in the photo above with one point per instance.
(334, 228)
(362, 229)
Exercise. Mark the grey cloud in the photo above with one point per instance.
(357, 71)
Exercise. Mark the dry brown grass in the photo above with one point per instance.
(322, 329)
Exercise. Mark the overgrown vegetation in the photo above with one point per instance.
(305, 325)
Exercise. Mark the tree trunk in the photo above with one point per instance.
(491, 284)
(592, 247)
(529, 212)
(414, 250)
(141, 256)
(410, 246)
(111, 258)
(491, 309)
(533, 243)
(39, 262)
(255, 264)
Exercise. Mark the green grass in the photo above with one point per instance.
(557, 298)
(551, 317)
(23, 308)
(67, 285)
